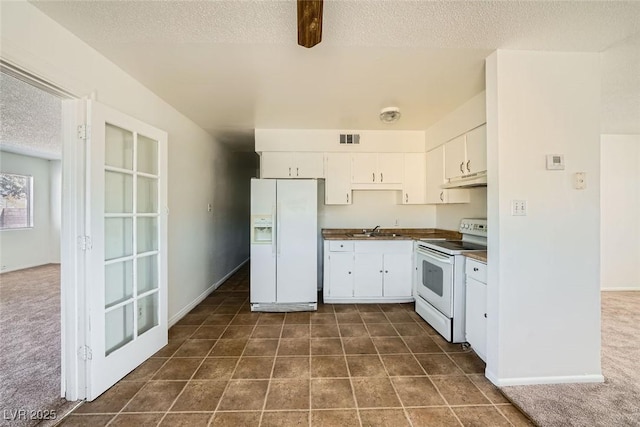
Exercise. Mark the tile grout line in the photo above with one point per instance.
(404, 409)
(431, 381)
(273, 367)
(226, 387)
(346, 362)
(137, 392)
(199, 365)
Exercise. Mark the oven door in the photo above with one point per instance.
(435, 279)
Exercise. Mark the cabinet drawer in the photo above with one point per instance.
(476, 270)
(340, 246)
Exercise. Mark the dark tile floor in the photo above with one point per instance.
(344, 365)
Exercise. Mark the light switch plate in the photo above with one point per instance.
(555, 162)
(518, 208)
(580, 180)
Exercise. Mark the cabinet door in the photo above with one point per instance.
(337, 184)
(415, 179)
(341, 274)
(397, 275)
(435, 176)
(368, 275)
(390, 168)
(454, 157)
(364, 168)
(308, 165)
(476, 150)
(476, 322)
(275, 165)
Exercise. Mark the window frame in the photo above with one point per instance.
(30, 216)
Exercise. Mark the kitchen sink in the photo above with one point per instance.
(374, 235)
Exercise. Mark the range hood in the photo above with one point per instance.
(474, 180)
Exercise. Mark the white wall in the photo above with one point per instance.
(544, 268)
(30, 247)
(55, 208)
(469, 115)
(448, 216)
(620, 211)
(202, 249)
(374, 207)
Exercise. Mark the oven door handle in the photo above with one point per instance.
(430, 253)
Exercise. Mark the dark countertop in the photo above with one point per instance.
(400, 234)
(479, 256)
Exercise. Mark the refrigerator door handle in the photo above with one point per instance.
(273, 237)
(278, 228)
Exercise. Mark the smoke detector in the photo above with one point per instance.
(389, 114)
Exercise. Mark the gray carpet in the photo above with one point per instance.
(616, 402)
(30, 336)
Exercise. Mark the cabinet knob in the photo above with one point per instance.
(289, 171)
(485, 315)
(475, 268)
(380, 271)
(373, 177)
(468, 169)
(297, 174)
(347, 197)
(462, 167)
(442, 196)
(406, 197)
(386, 271)
(349, 272)
(342, 246)
(381, 177)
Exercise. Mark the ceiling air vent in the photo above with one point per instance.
(349, 138)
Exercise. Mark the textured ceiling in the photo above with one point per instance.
(232, 66)
(621, 87)
(30, 119)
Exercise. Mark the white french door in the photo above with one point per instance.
(126, 218)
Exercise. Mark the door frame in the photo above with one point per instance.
(73, 315)
(74, 333)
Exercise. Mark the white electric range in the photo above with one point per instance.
(440, 290)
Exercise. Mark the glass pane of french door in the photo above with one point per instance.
(131, 218)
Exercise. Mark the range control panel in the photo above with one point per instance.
(474, 226)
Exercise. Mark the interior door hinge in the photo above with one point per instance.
(84, 352)
(84, 243)
(82, 132)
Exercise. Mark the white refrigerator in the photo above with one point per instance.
(284, 233)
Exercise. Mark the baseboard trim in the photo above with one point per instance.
(621, 289)
(506, 382)
(179, 315)
(12, 269)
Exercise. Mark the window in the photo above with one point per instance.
(16, 201)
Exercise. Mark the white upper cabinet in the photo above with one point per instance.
(415, 179)
(477, 150)
(337, 186)
(377, 168)
(435, 194)
(455, 157)
(466, 154)
(291, 165)
(364, 168)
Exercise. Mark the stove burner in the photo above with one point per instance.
(456, 245)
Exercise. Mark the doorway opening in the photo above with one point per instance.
(30, 248)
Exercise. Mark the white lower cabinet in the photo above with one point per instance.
(341, 274)
(476, 310)
(398, 270)
(368, 271)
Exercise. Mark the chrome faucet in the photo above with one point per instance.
(375, 229)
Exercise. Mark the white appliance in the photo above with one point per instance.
(440, 288)
(284, 234)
